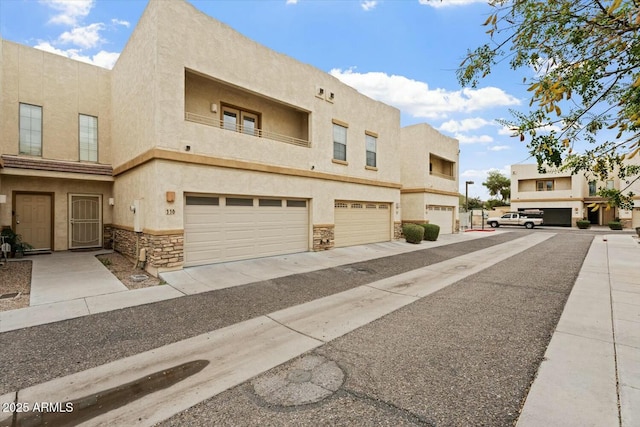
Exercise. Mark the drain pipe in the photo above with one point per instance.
(142, 258)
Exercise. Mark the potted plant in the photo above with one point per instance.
(615, 224)
(21, 247)
(18, 246)
(583, 224)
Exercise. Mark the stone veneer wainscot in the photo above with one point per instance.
(323, 237)
(164, 251)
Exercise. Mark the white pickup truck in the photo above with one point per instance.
(515, 218)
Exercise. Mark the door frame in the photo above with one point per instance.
(35, 193)
(100, 219)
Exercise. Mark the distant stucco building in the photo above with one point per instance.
(566, 198)
(203, 146)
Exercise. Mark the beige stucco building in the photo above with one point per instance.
(429, 176)
(202, 146)
(566, 198)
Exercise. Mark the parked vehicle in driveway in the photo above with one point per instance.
(529, 220)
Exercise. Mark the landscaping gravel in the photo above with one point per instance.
(123, 268)
(15, 278)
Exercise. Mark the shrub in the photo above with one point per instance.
(583, 224)
(431, 232)
(413, 233)
(615, 225)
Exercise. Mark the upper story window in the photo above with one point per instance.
(546, 185)
(239, 120)
(441, 167)
(30, 129)
(592, 188)
(339, 142)
(610, 184)
(88, 137)
(371, 142)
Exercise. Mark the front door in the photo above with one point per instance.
(33, 219)
(85, 221)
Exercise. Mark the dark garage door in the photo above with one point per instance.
(556, 216)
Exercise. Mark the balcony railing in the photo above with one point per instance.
(261, 133)
(442, 175)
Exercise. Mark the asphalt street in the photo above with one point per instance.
(465, 355)
(37, 354)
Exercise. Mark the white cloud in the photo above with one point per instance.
(368, 4)
(473, 139)
(464, 125)
(292, 1)
(70, 10)
(416, 98)
(115, 21)
(448, 3)
(505, 131)
(102, 59)
(499, 148)
(105, 59)
(85, 37)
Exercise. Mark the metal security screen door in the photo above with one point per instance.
(85, 221)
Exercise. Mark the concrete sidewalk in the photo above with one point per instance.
(65, 285)
(591, 372)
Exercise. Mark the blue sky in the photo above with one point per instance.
(401, 52)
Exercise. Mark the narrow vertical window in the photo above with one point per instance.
(230, 120)
(592, 188)
(339, 142)
(30, 130)
(371, 143)
(88, 128)
(249, 124)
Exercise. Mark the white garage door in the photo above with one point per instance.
(357, 223)
(442, 216)
(229, 228)
(635, 219)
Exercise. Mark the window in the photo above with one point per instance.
(237, 201)
(30, 130)
(610, 184)
(238, 120)
(203, 201)
(592, 188)
(270, 203)
(339, 142)
(371, 143)
(544, 185)
(230, 120)
(296, 203)
(88, 128)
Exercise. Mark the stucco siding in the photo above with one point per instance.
(64, 88)
(269, 75)
(134, 92)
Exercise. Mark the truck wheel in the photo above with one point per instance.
(494, 224)
(528, 225)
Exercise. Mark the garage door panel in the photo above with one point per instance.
(359, 223)
(227, 233)
(205, 237)
(441, 216)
